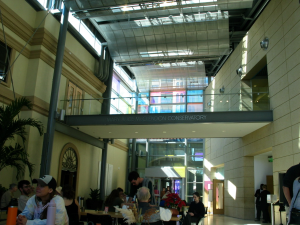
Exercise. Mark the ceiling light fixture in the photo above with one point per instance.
(264, 44)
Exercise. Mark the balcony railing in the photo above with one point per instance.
(244, 100)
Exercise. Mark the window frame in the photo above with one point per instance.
(12, 54)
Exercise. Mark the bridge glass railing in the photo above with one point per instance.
(215, 101)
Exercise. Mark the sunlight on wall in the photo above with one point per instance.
(207, 164)
(232, 190)
(245, 54)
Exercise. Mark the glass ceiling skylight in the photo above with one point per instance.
(186, 75)
(205, 34)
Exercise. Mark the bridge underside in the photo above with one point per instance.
(170, 125)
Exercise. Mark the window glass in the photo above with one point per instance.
(195, 107)
(194, 187)
(195, 95)
(4, 61)
(194, 174)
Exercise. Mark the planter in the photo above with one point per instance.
(175, 212)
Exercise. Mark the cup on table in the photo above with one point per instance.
(106, 209)
(116, 210)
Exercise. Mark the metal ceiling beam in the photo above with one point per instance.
(155, 62)
(152, 9)
(251, 11)
(108, 12)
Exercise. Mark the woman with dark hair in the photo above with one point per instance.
(196, 210)
(72, 205)
(113, 200)
(35, 212)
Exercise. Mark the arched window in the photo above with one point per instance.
(69, 166)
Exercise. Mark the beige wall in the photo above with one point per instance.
(280, 22)
(118, 158)
(32, 76)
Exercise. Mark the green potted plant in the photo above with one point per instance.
(11, 126)
(94, 202)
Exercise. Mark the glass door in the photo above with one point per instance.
(218, 196)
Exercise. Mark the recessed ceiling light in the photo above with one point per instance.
(164, 132)
(193, 131)
(223, 130)
(109, 132)
(136, 132)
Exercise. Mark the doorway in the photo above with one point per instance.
(218, 196)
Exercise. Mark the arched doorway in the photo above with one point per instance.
(69, 166)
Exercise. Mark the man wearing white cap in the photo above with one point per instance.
(35, 212)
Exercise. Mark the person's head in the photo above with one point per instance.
(264, 187)
(143, 194)
(24, 187)
(113, 195)
(13, 187)
(121, 191)
(261, 186)
(196, 196)
(134, 178)
(168, 188)
(164, 189)
(68, 192)
(45, 189)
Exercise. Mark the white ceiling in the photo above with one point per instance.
(203, 130)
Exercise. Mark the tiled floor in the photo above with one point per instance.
(216, 220)
(225, 220)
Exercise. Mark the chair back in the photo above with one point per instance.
(103, 219)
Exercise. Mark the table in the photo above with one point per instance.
(117, 214)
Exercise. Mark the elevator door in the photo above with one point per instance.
(218, 196)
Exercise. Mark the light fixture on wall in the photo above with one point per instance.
(264, 44)
(222, 90)
(239, 71)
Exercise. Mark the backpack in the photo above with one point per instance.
(145, 184)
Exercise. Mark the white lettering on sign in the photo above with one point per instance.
(157, 118)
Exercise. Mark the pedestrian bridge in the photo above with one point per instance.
(171, 125)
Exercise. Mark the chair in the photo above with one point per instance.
(103, 219)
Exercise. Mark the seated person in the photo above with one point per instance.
(7, 196)
(151, 214)
(121, 193)
(162, 202)
(196, 210)
(35, 212)
(113, 200)
(72, 205)
(25, 189)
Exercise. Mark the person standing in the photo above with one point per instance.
(25, 189)
(7, 196)
(196, 210)
(258, 202)
(264, 204)
(138, 182)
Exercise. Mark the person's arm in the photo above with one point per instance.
(76, 202)
(199, 210)
(287, 194)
